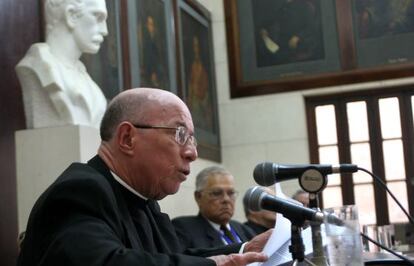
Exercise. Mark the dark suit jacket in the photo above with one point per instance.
(257, 228)
(85, 218)
(197, 232)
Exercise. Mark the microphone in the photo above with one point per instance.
(267, 173)
(258, 199)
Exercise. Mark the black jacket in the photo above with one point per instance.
(197, 232)
(84, 218)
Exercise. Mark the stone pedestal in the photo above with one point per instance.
(41, 156)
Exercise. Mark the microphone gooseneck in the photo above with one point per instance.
(268, 173)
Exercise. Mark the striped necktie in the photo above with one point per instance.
(228, 235)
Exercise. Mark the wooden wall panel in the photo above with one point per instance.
(19, 28)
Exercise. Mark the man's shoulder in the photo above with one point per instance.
(191, 223)
(80, 172)
(237, 225)
(185, 219)
(78, 183)
(240, 227)
(80, 179)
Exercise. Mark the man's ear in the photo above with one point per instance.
(126, 138)
(197, 196)
(71, 16)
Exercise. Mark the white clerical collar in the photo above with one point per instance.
(125, 185)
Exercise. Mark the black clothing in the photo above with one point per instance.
(197, 232)
(87, 218)
(257, 228)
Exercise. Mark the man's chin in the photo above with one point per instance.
(170, 191)
(226, 217)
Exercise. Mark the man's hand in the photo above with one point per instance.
(257, 243)
(239, 259)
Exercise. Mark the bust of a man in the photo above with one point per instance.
(57, 90)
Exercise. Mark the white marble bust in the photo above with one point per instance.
(57, 90)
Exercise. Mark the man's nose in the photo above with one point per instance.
(190, 152)
(226, 196)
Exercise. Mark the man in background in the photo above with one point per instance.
(302, 197)
(215, 196)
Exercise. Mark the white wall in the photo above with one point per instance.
(254, 129)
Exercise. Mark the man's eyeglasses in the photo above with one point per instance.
(219, 193)
(181, 133)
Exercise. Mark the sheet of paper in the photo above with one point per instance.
(277, 248)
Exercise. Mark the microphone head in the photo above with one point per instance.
(264, 175)
(333, 219)
(253, 197)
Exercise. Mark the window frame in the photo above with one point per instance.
(371, 97)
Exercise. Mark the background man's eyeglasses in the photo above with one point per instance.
(219, 193)
(181, 133)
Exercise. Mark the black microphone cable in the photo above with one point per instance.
(387, 249)
(379, 180)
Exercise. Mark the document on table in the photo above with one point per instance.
(277, 247)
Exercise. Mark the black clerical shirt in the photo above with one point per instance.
(153, 227)
(87, 218)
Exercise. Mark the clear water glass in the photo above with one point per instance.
(344, 246)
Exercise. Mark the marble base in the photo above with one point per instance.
(41, 156)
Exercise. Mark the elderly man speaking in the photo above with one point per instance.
(105, 212)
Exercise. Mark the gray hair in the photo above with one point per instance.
(297, 193)
(55, 11)
(246, 204)
(124, 108)
(203, 175)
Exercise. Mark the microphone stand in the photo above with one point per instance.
(297, 248)
(318, 257)
(313, 181)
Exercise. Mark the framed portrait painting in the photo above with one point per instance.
(282, 40)
(285, 45)
(106, 67)
(384, 31)
(151, 44)
(197, 74)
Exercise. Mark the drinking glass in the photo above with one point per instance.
(344, 242)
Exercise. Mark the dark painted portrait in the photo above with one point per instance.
(153, 53)
(379, 18)
(198, 76)
(287, 31)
